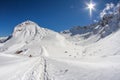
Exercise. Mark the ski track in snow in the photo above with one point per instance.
(16, 68)
(44, 68)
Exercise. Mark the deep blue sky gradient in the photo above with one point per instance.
(57, 15)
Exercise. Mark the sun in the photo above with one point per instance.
(91, 7)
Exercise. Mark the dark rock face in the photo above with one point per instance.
(5, 39)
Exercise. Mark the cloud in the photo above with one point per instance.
(109, 6)
(109, 9)
(95, 21)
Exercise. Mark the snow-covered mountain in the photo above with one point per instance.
(81, 53)
(109, 23)
(30, 38)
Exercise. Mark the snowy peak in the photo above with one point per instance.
(26, 28)
(28, 31)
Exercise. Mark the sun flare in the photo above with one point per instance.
(91, 7)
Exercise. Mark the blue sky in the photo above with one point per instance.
(57, 15)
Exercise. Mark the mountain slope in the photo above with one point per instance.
(30, 39)
(82, 53)
(109, 23)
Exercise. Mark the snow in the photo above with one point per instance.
(87, 53)
(15, 68)
(83, 70)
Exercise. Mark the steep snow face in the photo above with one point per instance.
(27, 31)
(108, 46)
(109, 23)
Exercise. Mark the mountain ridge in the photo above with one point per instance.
(108, 24)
